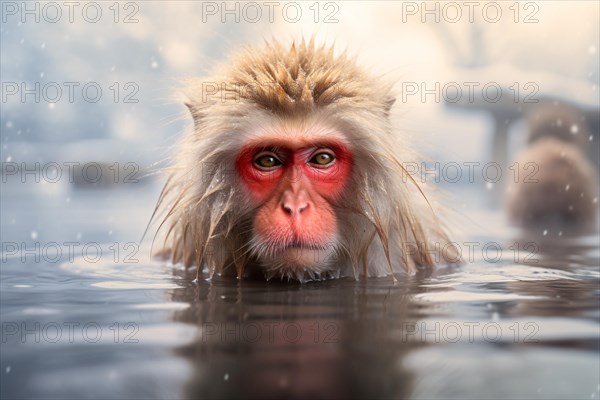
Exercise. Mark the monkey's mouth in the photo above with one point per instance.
(302, 246)
(303, 256)
(296, 255)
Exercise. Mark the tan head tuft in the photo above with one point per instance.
(293, 80)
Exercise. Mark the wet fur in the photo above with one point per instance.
(385, 224)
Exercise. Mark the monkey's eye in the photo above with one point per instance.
(322, 159)
(267, 162)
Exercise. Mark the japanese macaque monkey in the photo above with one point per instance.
(558, 185)
(293, 168)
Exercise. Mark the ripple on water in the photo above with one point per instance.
(478, 283)
(144, 273)
(478, 273)
(462, 296)
(161, 306)
(40, 311)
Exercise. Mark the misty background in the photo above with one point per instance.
(54, 59)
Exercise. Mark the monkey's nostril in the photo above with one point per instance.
(294, 203)
(302, 207)
(294, 208)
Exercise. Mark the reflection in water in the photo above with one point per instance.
(424, 337)
(571, 258)
(272, 340)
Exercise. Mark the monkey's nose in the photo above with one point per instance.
(294, 203)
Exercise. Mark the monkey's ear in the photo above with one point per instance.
(388, 103)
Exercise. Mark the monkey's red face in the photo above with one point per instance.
(295, 184)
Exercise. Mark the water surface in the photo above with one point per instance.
(516, 327)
